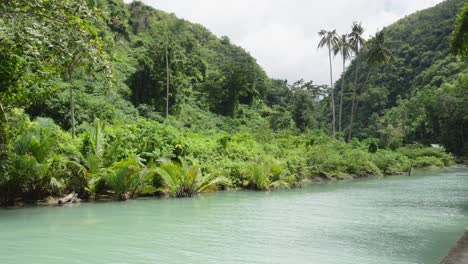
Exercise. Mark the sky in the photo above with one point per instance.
(282, 34)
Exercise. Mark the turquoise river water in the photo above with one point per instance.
(396, 220)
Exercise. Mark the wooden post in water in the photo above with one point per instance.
(410, 169)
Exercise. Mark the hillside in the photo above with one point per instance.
(419, 96)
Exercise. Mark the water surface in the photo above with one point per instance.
(397, 220)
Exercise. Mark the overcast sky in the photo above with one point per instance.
(282, 34)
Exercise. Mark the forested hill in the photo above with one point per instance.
(206, 71)
(420, 94)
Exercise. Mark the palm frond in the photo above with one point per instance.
(355, 37)
(376, 51)
(187, 180)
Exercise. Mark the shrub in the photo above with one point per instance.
(427, 161)
(417, 151)
(390, 162)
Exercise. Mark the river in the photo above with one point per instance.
(396, 220)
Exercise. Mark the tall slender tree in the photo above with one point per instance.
(330, 40)
(344, 48)
(168, 74)
(3, 137)
(374, 53)
(356, 41)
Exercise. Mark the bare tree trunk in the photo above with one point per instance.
(351, 119)
(332, 92)
(72, 100)
(3, 139)
(463, 133)
(167, 83)
(353, 104)
(341, 95)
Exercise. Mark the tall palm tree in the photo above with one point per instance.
(3, 139)
(356, 42)
(168, 77)
(330, 40)
(344, 48)
(374, 53)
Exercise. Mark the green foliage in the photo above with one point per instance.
(459, 39)
(391, 162)
(438, 156)
(335, 159)
(265, 176)
(126, 178)
(40, 38)
(186, 181)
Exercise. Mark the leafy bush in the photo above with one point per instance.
(390, 162)
(426, 161)
(438, 155)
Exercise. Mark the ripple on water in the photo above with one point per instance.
(397, 220)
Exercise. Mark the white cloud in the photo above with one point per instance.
(282, 34)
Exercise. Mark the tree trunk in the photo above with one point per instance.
(167, 83)
(3, 138)
(341, 95)
(72, 100)
(332, 91)
(353, 104)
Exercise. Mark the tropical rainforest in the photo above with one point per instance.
(106, 99)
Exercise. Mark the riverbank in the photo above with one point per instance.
(317, 180)
(459, 253)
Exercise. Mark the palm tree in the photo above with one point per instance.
(330, 40)
(356, 42)
(3, 139)
(344, 48)
(265, 176)
(376, 52)
(127, 177)
(187, 181)
(168, 77)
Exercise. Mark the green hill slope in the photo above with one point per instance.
(420, 96)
